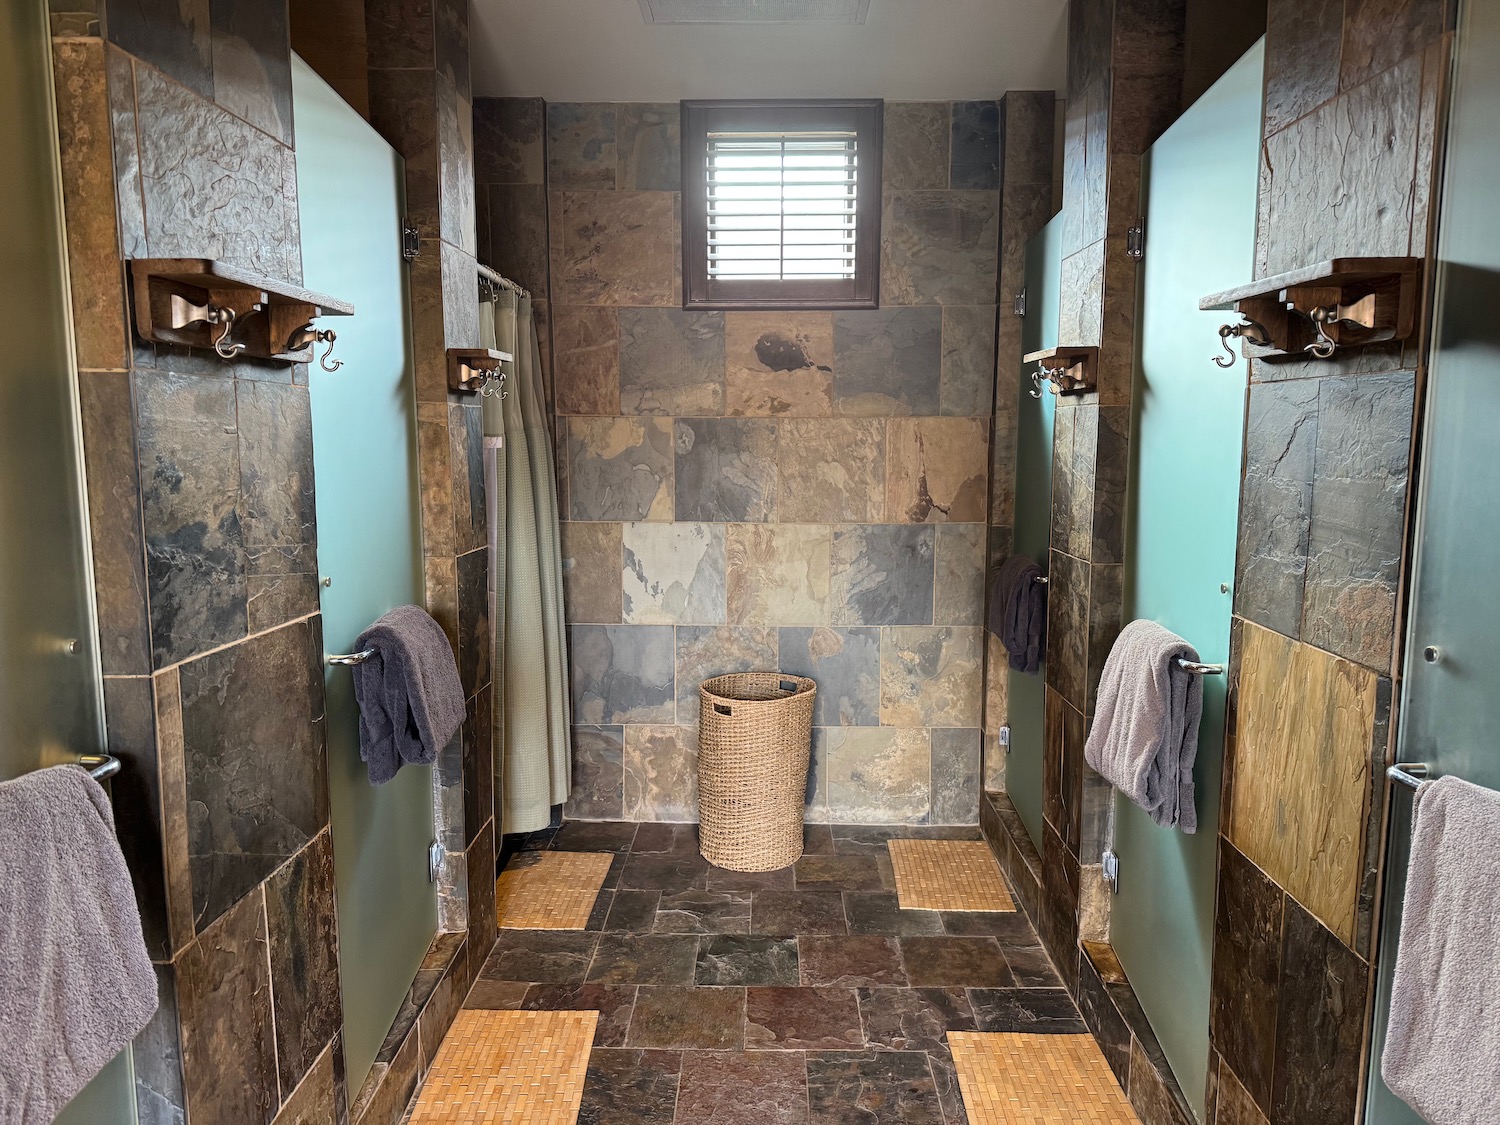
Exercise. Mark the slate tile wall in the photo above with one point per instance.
(176, 139)
(1322, 556)
(806, 490)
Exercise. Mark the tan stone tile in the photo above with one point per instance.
(779, 363)
(1301, 767)
(587, 340)
(779, 574)
(591, 554)
(661, 773)
(936, 470)
(930, 676)
(831, 470)
(617, 248)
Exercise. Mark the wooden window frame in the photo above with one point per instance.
(862, 117)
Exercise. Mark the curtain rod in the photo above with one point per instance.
(494, 277)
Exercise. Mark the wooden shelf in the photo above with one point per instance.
(272, 319)
(1071, 369)
(1356, 300)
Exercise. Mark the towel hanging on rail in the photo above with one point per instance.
(1443, 1037)
(1145, 733)
(76, 983)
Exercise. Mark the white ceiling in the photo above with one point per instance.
(909, 50)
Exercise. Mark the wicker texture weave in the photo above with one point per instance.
(755, 735)
(508, 1068)
(1022, 1079)
(948, 875)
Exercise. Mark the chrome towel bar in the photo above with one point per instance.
(347, 658)
(1199, 669)
(100, 766)
(1409, 774)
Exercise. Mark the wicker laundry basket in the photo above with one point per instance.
(754, 739)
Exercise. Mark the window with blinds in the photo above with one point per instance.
(781, 204)
(782, 207)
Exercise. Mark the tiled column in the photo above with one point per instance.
(1124, 89)
(1027, 191)
(1354, 102)
(420, 102)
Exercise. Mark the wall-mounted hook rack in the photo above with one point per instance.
(1317, 310)
(201, 303)
(1066, 370)
(477, 371)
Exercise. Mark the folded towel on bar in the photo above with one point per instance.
(76, 982)
(1018, 612)
(411, 702)
(1442, 1042)
(1145, 733)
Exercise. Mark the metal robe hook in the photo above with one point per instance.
(1036, 384)
(494, 384)
(1247, 330)
(1324, 346)
(224, 347)
(327, 336)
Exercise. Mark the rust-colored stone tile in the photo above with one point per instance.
(587, 341)
(936, 470)
(435, 478)
(94, 274)
(1305, 725)
(617, 248)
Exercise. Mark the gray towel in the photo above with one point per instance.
(1442, 1048)
(76, 983)
(411, 702)
(1145, 733)
(1018, 612)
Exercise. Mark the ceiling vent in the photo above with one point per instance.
(755, 11)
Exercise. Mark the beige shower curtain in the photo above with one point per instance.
(532, 709)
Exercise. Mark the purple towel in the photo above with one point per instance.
(411, 702)
(76, 982)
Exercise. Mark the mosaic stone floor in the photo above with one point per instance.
(801, 996)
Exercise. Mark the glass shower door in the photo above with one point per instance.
(350, 188)
(1026, 702)
(1450, 712)
(1199, 187)
(50, 684)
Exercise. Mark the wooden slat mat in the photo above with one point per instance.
(508, 1068)
(948, 875)
(550, 890)
(1037, 1080)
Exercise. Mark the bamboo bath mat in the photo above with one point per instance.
(508, 1068)
(957, 875)
(1013, 1079)
(553, 891)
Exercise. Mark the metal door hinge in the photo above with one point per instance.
(1135, 242)
(1005, 738)
(1110, 864)
(1020, 305)
(411, 242)
(435, 857)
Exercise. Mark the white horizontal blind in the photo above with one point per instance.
(781, 206)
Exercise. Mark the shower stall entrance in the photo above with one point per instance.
(350, 185)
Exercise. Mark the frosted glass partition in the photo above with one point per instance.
(350, 189)
(50, 687)
(1198, 188)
